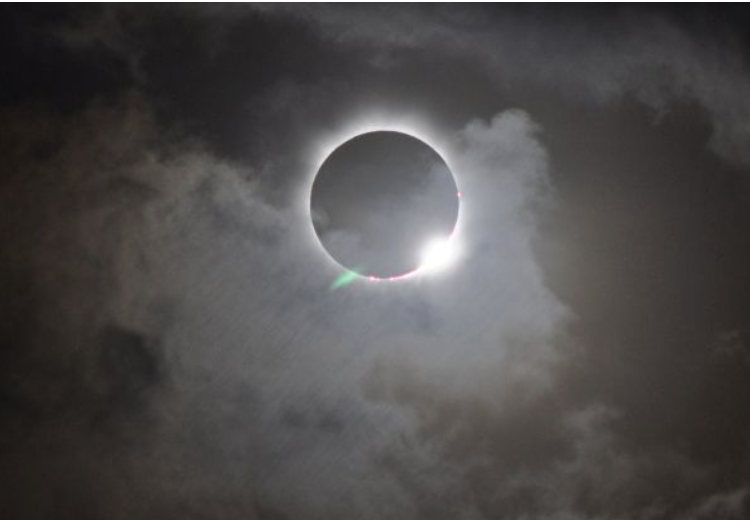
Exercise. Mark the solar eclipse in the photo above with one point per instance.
(384, 205)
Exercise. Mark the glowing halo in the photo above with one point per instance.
(438, 254)
(327, 143)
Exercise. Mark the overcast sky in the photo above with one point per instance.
(170, 345)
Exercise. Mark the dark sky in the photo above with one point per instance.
(171, 347)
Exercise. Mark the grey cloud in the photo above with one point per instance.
(172, 347)
(625, 53)
(628, 53)
(602, 478)
(166, 281)
(728, 505)
(599, 476)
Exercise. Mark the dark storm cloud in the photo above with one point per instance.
(171, 348)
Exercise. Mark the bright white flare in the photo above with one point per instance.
(438, 254)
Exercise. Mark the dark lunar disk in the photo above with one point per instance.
(379, 198)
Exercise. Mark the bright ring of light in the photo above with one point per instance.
(439, 252)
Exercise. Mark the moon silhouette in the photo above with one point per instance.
(381, 201)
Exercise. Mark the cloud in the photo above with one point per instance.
(593, 59)
(158, 297)
(175, 350)
(598, 59)
(728, 505)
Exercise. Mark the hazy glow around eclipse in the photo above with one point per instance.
(438, 254)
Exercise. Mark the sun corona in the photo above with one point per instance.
(384, 206)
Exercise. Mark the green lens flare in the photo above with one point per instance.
(344, 280)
